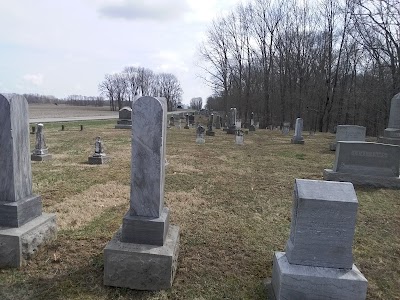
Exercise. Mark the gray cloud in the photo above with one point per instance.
(157, 10)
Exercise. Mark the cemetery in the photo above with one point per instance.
(229, 211)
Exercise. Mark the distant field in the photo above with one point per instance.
(37, 111)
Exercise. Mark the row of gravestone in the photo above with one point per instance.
(368, 163)
(41, 152)
(142, 255)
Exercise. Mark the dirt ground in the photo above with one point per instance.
(37, 111)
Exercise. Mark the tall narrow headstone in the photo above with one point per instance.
(391, 134)
(210, 131)
(318, 263)
(252, 126)
(298, 130)
(187, 122)
(41, 152)
(23, 226)
(217, 122)
(285, 128)
(231, 126)
(200, 135)
(143, 254)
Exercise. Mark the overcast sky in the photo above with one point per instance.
(66, 47)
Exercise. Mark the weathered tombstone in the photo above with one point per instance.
(210, 131)
(239, 138)
(344, 133)
(285, 128)
(191, 119)
(217, 122)
(391, 134)
(252, 126)
(363, 163)
(143, 253)
(98, 157)
(298, 130)
(62, 127)
(231, 124)
(33, 130)
(318, 263)
(124, 118)
(172, 121)
(41, 153)
(23, 226)
(200, 135)
(187, 122)
(81, 126)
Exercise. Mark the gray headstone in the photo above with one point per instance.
(298, 130)
(365, 158)
(15, 164)
(41, 153)
(394, 117)
(318, 263)
(143, 254)
(23, 227)
(285, 128)
(125, 113)
(392, 133)
(350, 133)
(149, 119)
(323, 223)
(40, 144)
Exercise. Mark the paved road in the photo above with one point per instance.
(71, 119)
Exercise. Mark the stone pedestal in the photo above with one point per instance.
(292, 281)
(140, 266)
(390, 136)
(124, 124)
(19, 244)
(43, 157)
(98, 160)
(210, 133)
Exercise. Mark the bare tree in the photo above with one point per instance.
(196, 103)
(170, 89)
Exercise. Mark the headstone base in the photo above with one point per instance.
(16, 214)
(388, 140)
(122, 126)
(291, 281)
(19, 244)
(145, 230)
(43, 157)
(297, 141)
(139, 266)
(98, 160)
(230, 130)
(332, 146)
(364, 180)
(186, 127)
(200, 140)
(210, 133)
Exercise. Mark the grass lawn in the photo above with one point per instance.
(232, 203)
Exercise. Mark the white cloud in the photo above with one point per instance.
(145, 10)
(36, 79)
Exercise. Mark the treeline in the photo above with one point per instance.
(76, 100)
(122, 88)
(335, 62)
(79, 100)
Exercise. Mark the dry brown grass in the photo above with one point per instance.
(232, 203)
